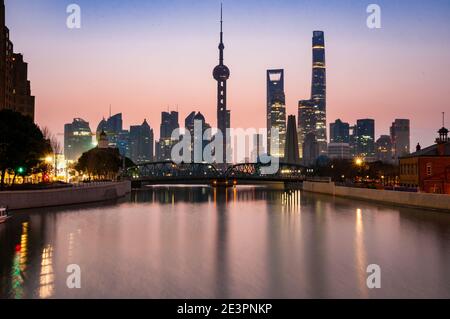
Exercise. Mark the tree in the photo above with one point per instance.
(22, 144)
(100, 163)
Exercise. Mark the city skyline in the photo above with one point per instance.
(88, 99)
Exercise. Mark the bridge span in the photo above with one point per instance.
(169, 172)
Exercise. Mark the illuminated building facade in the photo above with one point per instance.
(77, 139)
(312, 113)
(365, 139)
(339, 132)
(141, 143)
(276, 112)
(384, 149)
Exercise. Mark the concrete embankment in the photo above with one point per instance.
(86, 193)
(422, 200)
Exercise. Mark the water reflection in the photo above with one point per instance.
(244, 242)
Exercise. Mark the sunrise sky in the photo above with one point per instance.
(145, 56)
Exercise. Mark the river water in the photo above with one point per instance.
(245, 242)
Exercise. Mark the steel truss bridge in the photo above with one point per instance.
(169, 172)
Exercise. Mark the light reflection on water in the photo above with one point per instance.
(245, 242)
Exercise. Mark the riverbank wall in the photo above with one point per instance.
(420, 200)
(80, 194)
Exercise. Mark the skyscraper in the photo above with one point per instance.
(318, 89)
(221, 74)
(312, 113)
(258, 148)
(384, 149)
(77, 139)
(15, 89)
(141, 143)
(400, 136)
(339, 132)
(112, 127)
(291, 153)
(310, 150)
(365, 139)
(169, 123)
(276, 112)
(196, 125)
(306, 122)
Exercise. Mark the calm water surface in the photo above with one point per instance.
(197, 242)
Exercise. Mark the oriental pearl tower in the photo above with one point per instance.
(221, 74)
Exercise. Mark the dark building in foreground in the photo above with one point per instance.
(15, 89)
(384, 149)
(428, 169)
(291, 153)
(77, 139)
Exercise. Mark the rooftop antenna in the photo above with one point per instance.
(443, 119)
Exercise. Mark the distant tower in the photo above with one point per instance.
(318, 90)
(221, 74)
(291, 153)
(276, 111)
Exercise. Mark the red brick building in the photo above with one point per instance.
(428, 169)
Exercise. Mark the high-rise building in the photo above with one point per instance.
(339, 132)
(221, 74)
(169, 123)
(339, 151)
(112, 128)
(15, 89)
(365, 139)
(306, 122)
(141, 143)
(400, 136)
(291, 153)
(384, 149)
(258, 148)
(123, 143)
(313, 112)
(276, 111)
(196, 125)
(310, 150)
(77, 139)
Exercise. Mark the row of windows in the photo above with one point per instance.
(412, 169)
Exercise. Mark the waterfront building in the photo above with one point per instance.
(428, 169)
(77, 139)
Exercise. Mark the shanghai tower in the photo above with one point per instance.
(318, 90)
(221, 74)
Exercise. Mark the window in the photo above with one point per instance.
(429, 169)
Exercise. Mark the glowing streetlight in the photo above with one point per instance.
(359, 161)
